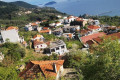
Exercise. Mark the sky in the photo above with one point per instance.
(35, 1)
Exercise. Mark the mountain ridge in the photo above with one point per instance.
(50, 3)
(23, 4)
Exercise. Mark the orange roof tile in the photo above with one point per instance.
(33, 24)
(12, 27)
(114, 35)
(45, 31)
(79, 19)
(84, 39)
(24, 42)
(47, 66)
(37, 36)
(93, 27)
(98, 40)
(90, 42)
(70, 35)
(37, 42)
(45, 28)
(44, 20)
(84, 31)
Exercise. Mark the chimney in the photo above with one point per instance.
(54, 67)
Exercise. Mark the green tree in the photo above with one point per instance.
(104, 64)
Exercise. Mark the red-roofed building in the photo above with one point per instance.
(47, 69)
(12, 27)
(84, 39)
(45, 28)
(85, 32)
(38, 37)
(69, 19)
(94, 28)
(39, 46)
(46, 31)
(99, 40)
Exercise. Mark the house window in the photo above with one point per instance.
(62, 46)
(52, 50)
(37, 46)
(57, 48)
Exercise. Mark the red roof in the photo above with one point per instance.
(12, 27)
(24, 42)
(90, 42)
(79, 19)
(93, 27)
(33, 24)
(44, 31)
(37, 42)
(84, 31)
(45, 28)
(37, 36)
(45, 66)
(114, 35)
(98, 40)
(84, 39)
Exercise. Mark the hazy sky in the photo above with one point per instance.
(35, 1)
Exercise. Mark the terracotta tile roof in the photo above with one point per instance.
(84, 31)
(98, 40)
(37, 42)
(44, 20)
(33, 24)
(45, 28)
(45, 31)
(84, 39)
(79, 19)
(24, 42)
(114, 35)
(12, 27)
(90, 42)
(48, 43)
(37, 36)
(70, 35)
(47, 66)
(69, 17)
(93, 27)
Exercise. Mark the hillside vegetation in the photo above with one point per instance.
(12, 12)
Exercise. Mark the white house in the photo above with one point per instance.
(57, 47)
(58, 24)
(39, 45)
(31, 26)
(69, 35)
(52, 25)
(94, 22)
(94, 28)
(10, 35)
(71, 29)
(38, 37)
(69, 19)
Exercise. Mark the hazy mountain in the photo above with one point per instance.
(7, 8)
(50, 3)
(92, 7)
(24, 4)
